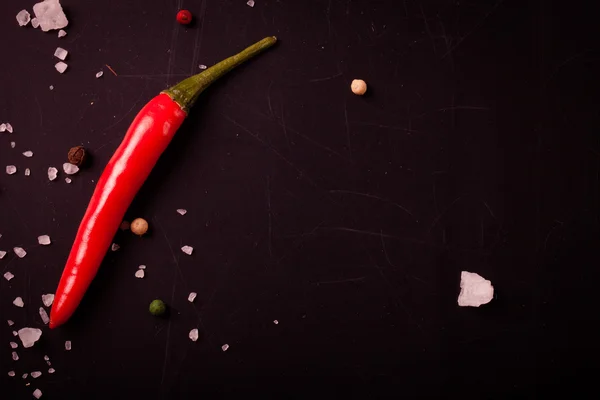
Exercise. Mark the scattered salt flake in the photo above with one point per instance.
(11, 169)
(35, 23)
(11, 373)
(44, 240)
(2, 127)
(8, 276)
(46, 358)
(44, 316)
(68, 345)
(60, 53)
(12, 145)
(115, 247)
(15, 356)
(51, 370)
(142, 267)
(250, 3)
(10, 322)
(70, 169)
(25, 375)
(27, 172)
(68, 180)
(18, 302)
(49, 363)
(276, 322)
(37, 393)
(124, 225)
(23, 17)
(50, 15)
(192, 297)
(9, 128)
(193, 335)
(15, 333)
(225, 347)
(202, 66)
(61, 66)
(187, 250)
(2, 254)
(13, 345)
(47, 299)
(20, 252)
(28, 153)
(182, 211)
(62, 33)
(52, 173)
(51, 87)
(36, 374)
(99, 74)
(29, 336)
(474, 290)
(139, 273)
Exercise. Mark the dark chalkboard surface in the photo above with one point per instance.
(347, 219)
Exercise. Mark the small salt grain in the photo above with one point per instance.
(193, 335)
(18, 302)
(276, 322)
(142, 267)
(2, 127)
(20, 252)
(51, 370)
(182, 211)
(250, 3)
(35, 23)
(187, 250)
(12, 145)
(10, 322)
(70, 169)
(11, 373)
(25, 375)
(139, 273)
(2, 254)
(225, 347)
(15, 333)
(11, 169)
(48, 299)
(37, 393)
(68, 180)
(115, 247)
(15, 356)
(202, 66)
(8, 276)
(192, 297)
(52, 173)
(60, 53)
(62, 33)
(44, 240)
(61, 67)
(29, 336)
(99, 74)
(28, 153)
(9, 128)
(36, 374)
(51, 87)
(27, 172)
(23, 17)
(46, 358)
(44, 316)
(68, 345)
(13, 345)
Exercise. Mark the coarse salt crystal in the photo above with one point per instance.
(142, 267)
(11, 373)
(70, 169)
(44, 315)
(61, 66)
(187, 250)
(51, 87)
(34, 22)
(2, 254)
(44, 240)
(115, 247)
(28, 153)
(37, 393)
(139, 273)
(20, 252)
(68, 345)
(192, 297)
(15, 356)
(474, 290)
(276, 322)
(68, 180)
(48, 299)
(99, 74)
(2, 127)
(50, 15)
(36, 374)
(18, 302)
(250, 3)
(225, 347)
(12, 145)
(8, 276)
(10, 322)
(25, 375)
(193, 335)
(27, 172)
(46, 358)
(29, 336)
(23, 17)
(182, 211)
(202, 66)
(60, 53)
(52, 173)
(62, 33)
(15, 333)
(11, 169)
(13, 345)
(51, 370)
(9, 128)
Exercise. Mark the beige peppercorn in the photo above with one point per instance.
(139, 226)
(359, 87)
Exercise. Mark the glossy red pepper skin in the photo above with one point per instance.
(145, 140)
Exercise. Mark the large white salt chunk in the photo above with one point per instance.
(8, 276)
(50, 15)
(35, 374)
(62, 33)
(29, 336)
(68, 345)
(474, 290)
(20, 252)
(44, 315)
(18, 301)
(28, 153)
(139, 273)
(193, 335)
(11, 169)
(182, 211)
(37, 393)
(23, 17)
(2, 254)
(192, 297)
(70, 169)
(44, 240)
(48, 299)
(35, 23)
(52, 173)
(61, 66)
(187, 250)
(60, 53)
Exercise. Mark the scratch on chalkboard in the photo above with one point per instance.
(270, 216)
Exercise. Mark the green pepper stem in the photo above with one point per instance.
(187, 91)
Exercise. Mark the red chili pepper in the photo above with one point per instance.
(145, 140)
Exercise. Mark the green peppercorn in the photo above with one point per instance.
(158, 308)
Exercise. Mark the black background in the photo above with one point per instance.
(348, 219)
